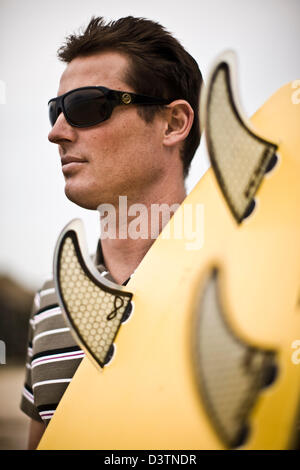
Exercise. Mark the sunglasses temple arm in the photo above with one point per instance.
(141, 99)
(138, 99)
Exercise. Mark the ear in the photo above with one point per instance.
(179, 120)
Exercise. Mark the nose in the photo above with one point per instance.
(61, 131)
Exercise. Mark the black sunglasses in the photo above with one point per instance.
(90, 105)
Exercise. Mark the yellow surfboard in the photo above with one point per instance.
(206, 333)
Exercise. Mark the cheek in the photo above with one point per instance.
(112, 145)
(124, 145)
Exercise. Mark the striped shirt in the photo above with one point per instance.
(53, 354)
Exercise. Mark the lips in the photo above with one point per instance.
(69, 159)
(71, 165)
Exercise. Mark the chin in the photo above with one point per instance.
(81, 198)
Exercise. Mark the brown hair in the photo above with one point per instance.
(160, 66)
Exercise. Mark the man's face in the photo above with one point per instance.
(120, 156)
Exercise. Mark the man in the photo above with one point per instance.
(135, 137)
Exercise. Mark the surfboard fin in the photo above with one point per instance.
(230, 373)
(238, 155)
(94, 307)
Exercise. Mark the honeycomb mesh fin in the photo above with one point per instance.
(230, 373)
(93, 309)
(239, 157)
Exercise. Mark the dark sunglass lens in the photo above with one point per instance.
(52, 112)
(87, 107)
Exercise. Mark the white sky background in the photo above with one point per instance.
(264, 33)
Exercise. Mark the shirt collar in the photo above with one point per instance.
(99, 262)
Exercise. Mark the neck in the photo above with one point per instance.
(129, 229)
